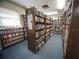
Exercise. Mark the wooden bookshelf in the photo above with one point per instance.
(52, 28)
(39, 28)
(57, 25)
(71, 37)
(66, 27)
(11, 36)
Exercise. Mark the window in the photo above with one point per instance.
(9, 18)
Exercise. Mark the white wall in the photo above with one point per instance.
(12, 6)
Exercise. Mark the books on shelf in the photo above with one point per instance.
(66, 26)
(9, 35)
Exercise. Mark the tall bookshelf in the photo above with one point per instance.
(9, 37)
(57, 25)
(52, 28)
(67, 24)
(39, 28)
(71, 43)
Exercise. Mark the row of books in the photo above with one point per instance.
(39, 26)
(41, 14)
(48, 21)
(47, 26)
(39, 19)
(39, 40)
(38, 34)
(9, 40)
(10, 31)
(12, 35)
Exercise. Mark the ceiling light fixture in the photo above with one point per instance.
(61, 4)
(51, 13)
(45, 6)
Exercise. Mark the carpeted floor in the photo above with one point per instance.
(51, 50)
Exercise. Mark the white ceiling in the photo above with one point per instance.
(38, 4)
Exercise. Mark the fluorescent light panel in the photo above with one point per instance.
(51, 13)
(61, 4)
(55, 18)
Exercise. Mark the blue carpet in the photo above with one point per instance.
(51, 50)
